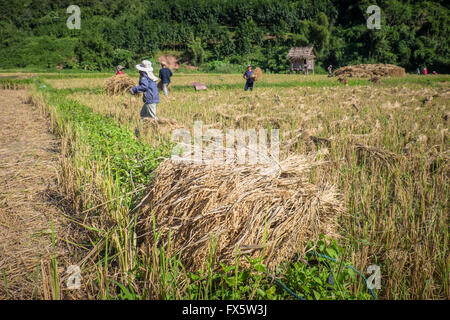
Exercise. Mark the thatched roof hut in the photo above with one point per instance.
(301, 58)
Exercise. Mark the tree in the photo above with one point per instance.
(413, 32)
(319, 36)
(248, 34)
(93, 52)
(122, 57)
(196, 51)
(225, 47)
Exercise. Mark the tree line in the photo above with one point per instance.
(216, 34)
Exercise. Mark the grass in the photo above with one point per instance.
(14, 84)
(96, 176)
(234, 81)
(388, 154)
(54, 268)
(5, 283)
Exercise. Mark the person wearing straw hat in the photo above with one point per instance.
(119, 69)
(147, 85)
(248, 77)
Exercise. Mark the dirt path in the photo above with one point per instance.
(28, 161)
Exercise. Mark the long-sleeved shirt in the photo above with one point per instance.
(148, 87)
(247, 75)
(165, 74)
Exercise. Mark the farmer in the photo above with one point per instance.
(164, 75)
(119, 69)
(247, 76)
(330, 70)
(425, 71)
(147, 85)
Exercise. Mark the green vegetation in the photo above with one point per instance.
(388, 156)
(385, 145)
(9, 83)
(223, 36)
(105, 168)
(317, 277)
(107, 141)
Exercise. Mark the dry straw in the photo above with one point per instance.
(118, 84)
(370, 71)
(257, 74)
(251, 210)
(159, 126)
(160, 86)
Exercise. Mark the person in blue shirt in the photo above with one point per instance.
(147, 85)
(164, 75)
(247, 76)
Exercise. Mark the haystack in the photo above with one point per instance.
(257, 74)
(118, 84)
(253, 210)
(370, 71)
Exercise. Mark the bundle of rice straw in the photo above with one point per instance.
(160, 86)
(161, 126)
(248, 210)
(370, 71)
(257, 74)
(118, 84)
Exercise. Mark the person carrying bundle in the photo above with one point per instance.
(147, 85)
(248, 77)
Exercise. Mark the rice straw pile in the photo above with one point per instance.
(370, 71)
(257, 74)
(254, 209)
(160, 86)
(118, 84)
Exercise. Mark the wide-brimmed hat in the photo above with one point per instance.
(146, 66)
(119, 67)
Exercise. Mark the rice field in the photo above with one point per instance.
(385, 147)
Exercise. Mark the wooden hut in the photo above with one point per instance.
(300, 58)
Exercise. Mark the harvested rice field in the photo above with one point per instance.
(357, 179)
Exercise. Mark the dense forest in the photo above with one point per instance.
(223, 35)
